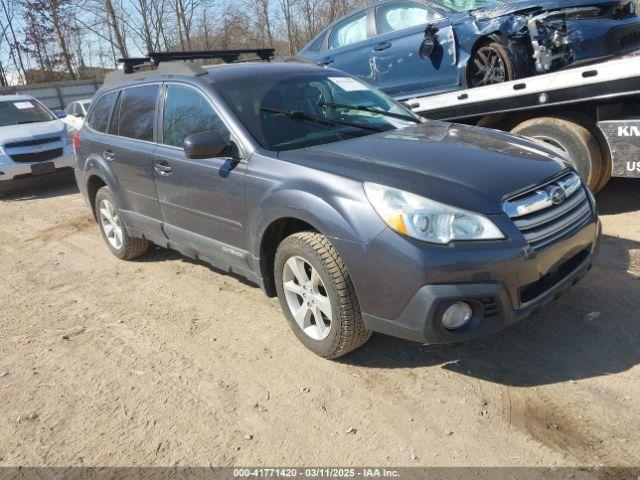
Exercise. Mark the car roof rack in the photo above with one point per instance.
(180, 63)
(227, 56)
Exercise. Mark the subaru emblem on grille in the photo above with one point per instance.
(557, 195)
(543, 197)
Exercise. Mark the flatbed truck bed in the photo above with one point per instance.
(591, 112)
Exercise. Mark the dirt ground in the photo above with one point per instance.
(164, 361)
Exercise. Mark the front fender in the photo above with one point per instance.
(509, 30)
(340, 220)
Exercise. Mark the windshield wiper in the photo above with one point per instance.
(364, 108)
(306, 117)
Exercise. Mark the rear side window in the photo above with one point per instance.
(398, 16)
(70, 110)
(352, 30)
(136, 112)
(187, 112)
(99, 117)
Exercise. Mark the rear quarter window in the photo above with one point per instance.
(99, 116)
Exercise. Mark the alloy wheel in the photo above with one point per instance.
(307, 298)
(111, 224)
(488, 67)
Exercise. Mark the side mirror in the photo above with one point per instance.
(205, 145)
(60, 113)
(428, 42)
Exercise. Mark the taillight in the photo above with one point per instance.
(76, 141)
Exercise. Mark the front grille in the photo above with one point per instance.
(534, 290)
(37, 156)
(29, 143)
(543, 222)
(622, 37)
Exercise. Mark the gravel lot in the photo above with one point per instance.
(165, 361)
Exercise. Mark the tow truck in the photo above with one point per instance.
(591, 113)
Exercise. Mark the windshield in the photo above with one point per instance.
(23, 111)
(466, 5)
(286, 111)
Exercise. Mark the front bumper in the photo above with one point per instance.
(503, 281)
(492, 309)
(10, 170)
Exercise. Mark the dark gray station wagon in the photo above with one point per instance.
(357, 214)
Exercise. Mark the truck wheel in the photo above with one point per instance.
(605, 154)
(489, 64)
(574, 139)
(317, 296)
(113, 230)
(606, 168)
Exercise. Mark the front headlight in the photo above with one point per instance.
(426, 219)
(70, 133)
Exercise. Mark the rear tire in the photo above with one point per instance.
(575, 139)
(312, 281)
(113, 229)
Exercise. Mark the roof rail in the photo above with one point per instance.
(227, 56)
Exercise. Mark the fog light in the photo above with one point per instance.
(456, 315)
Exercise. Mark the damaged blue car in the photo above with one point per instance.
(413, 47)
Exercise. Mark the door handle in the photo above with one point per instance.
(327, 61)
(382, 46)
(163, 168)
(108, 155)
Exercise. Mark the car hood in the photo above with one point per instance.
(31, 131)
(468, 167)
(505, 8)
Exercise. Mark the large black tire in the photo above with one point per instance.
(346, 331)
(577, 140)
(482, 55)
(130, 247)
(589, 123)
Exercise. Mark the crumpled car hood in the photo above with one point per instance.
(469, 167)
(520, 5)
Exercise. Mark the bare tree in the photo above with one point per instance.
(14, 45)
(55, 10)
(71, 37)
(115, 29)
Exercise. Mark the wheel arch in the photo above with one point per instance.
(290, 211)
(94, 183)
(272, 236)
(96, 176)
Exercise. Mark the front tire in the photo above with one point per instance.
(317, 296)
(113, 230)
(489, 64)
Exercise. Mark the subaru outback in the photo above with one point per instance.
(357, 214)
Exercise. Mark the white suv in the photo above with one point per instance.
(33, 140)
